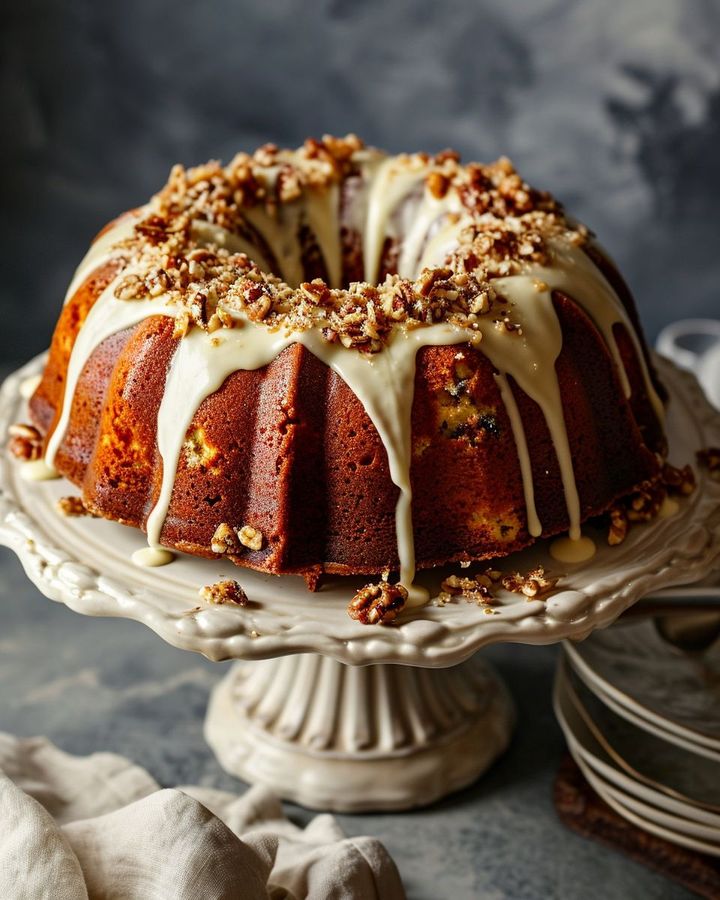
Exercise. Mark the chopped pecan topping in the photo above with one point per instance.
(709, 458)
(377, 604)
(25, 441)
(131, 287)
(250, 537)
(224, 592)
(210, 287)
(224, 540)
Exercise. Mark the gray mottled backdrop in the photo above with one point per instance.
(615, 106)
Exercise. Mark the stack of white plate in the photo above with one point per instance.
(642, 721)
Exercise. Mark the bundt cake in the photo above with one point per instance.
(332, 360)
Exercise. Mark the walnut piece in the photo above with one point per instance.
(224, 592)
(377, 604)
(25, 441)
(224, 540)
(250, 537)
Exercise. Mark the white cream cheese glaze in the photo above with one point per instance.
(38, 470)
(567, 550)
(384, 381)
(152, 557)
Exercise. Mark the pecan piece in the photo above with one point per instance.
(250, 537)
(709, 458)
(224, 592)
(644, 504)
(473, 590)
(25, 441)
(678, 481)
(73, 506)
(224, 540)
(534, 584)
(618, 527)
(377, 604)
(438, 184)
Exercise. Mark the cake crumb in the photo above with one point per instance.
(224, 592)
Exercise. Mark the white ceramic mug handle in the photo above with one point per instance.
(669, 338)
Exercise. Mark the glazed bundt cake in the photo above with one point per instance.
(332, 360)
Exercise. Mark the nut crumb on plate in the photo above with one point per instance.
(535, 584)
(73, 506)
(224, 592)
(709, 458)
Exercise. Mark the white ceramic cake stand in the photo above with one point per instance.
(328, 712)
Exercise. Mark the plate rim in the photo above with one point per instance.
(632, 710)
(415, 640)
(651, 791)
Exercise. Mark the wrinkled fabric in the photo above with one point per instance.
(100, 828)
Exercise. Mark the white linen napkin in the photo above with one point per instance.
(100, 828)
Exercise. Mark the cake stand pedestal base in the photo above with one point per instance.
(353, 739)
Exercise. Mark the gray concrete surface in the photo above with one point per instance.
(109, 684)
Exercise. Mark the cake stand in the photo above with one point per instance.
(328, 712)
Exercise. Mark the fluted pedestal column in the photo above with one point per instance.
(350, 738)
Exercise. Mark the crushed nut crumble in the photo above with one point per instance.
(472, 590)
